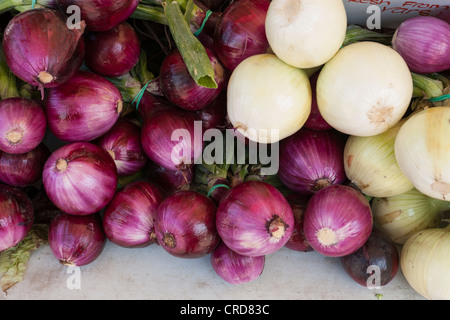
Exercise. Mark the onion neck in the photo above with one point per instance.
(67, 263)
(322, 183)
(45, 77)
(169, 240)
(276, 227)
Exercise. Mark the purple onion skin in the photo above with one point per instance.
(76, 240)
(337, 221)
(16, 216)
(178, 86)
(240, 32)
(254, 219)
(424, 43)
(80, 178)
(102, 15)
(379, 250)
(41, 50)
(311, 160)
(150, 104)
(170, 181)
(235, 268)
(21, 170)
(112, 53)
(214, 116)
(84, 108)
(123, 142)
(315, 120)
(129, 219)
(23, 125)
(185, 225)
(156, 138)
(297, 241)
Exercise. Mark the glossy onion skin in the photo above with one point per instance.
(112, 53)
(84, 108)
(86, 185)
(297, 241)
(380, 251)
(341, 211)
(25, 117)
(240, 32)
(16, 216)
(311, 160)
(129, 219)
(38, 41)
(245, 215)
(235, 268)
(169, 181)
(102, 15)
(185, 225)
(76, 240)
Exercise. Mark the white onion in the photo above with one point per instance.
(425, 263)
(306, 33)
(422, 150)
(365, 89)
(267, 99)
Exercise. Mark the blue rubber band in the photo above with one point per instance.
(208, 13)
(139, 96)
(33, 4)
(215, 187)
(441, 98)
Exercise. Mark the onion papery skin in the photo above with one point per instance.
(23, 125)
(101, 15)
(84, 108)
(240, 32)
(21, 170)
(403, 215)
(254, 219)
(129, 219)
(80, 178)
(315, 120)
(123, 142)
(16, 216)
(364, 99)
(312, 160)
(235, 268)
(185, 225)
(337, 221)
(380, 251)
(422, 151)
(178, 86)
(306, 34)
(370, 164)
(41, 50)
(76, 240)
(112, 53)
(424, 43)
(268, 100)
(297, 241)
(156, 139)
(169, 181)
(214, 116)
(425, 263)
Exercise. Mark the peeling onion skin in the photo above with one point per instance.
(76, 240)
(16, 216)
(254, 219)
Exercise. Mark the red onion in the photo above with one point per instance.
(102, 15)
(337, 221)
(379, 252)
(112, 53)
(185, 225)
(311, 160)
(235, 268)
(23, 125)
(123, 142)
(80, 178)
(76, 240)
(16, 216)
(150, 103)
(214, 116)
(315, 120)
(179, 152)
(169, 181)
(254, 219)
(424, 43)
(20, 170)
(84, 108)
(129, 219)
(297, 241)
(41, 50)
(178, 86)
(240, 32)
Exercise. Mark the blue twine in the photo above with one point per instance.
(139, 96)
(208, 13)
